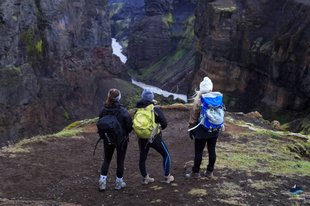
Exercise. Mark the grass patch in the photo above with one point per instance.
(81, 123)
(198, 192)
(231, 189)
(261, 185)
(265, 151)
(21, 146)
(68, 133)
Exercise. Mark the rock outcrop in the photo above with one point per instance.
(149, 40)
(54, 57)
(256, 52)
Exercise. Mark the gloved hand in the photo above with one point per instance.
(192, 134)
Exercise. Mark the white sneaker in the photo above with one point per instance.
(146, 180)
(119, 183)
(102, 184)
(168, 179)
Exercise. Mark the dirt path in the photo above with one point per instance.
(64, 172)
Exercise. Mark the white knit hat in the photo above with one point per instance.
(206, 85)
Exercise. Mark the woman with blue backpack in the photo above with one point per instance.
(205, 122)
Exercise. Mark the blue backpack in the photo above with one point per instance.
(212, 110)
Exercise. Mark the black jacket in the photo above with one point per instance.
(159, 115)
(122, 116)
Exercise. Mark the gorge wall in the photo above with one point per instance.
(55, 58)
(161, 44)
(257, 52)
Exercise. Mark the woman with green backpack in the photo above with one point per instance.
(148, 122)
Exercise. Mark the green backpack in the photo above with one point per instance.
(144, 123)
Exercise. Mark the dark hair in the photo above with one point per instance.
(112, 97)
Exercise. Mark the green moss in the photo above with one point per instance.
(168, 19)
(78, 124)
(68, 133)
(34, 44)
(66, 116)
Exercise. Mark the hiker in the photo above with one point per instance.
(201, 134)
(114, 140)
(146, 103)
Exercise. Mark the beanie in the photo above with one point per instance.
(147, 95)
(206, 85)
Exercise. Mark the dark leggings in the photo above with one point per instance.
(199, 146)
(108, 154)
(159, 145)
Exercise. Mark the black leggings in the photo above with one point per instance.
(108, 154)
(199, 146)
(159, 145)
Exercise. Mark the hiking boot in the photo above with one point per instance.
(208, 174)
(147, 179)
(119, 183)
(168, 179)
(193, 175)
(102, 184)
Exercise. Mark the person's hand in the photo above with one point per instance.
(222, 129)
(192, 134)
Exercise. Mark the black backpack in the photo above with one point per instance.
(109, 128)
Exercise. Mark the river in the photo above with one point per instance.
(117, 50)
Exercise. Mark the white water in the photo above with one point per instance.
(160, 91)
(117, 50)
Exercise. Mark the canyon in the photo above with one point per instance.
(56, 60)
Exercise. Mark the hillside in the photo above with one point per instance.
(255, 166)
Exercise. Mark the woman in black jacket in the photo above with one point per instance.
(157, 143)
(201, 135)
(112, 106)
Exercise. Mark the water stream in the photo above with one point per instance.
(117, 50)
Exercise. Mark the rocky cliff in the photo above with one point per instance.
(54, 58)
(256, 52)
(161, 45)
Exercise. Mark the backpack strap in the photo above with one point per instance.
(100, 138)
(190, 129)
